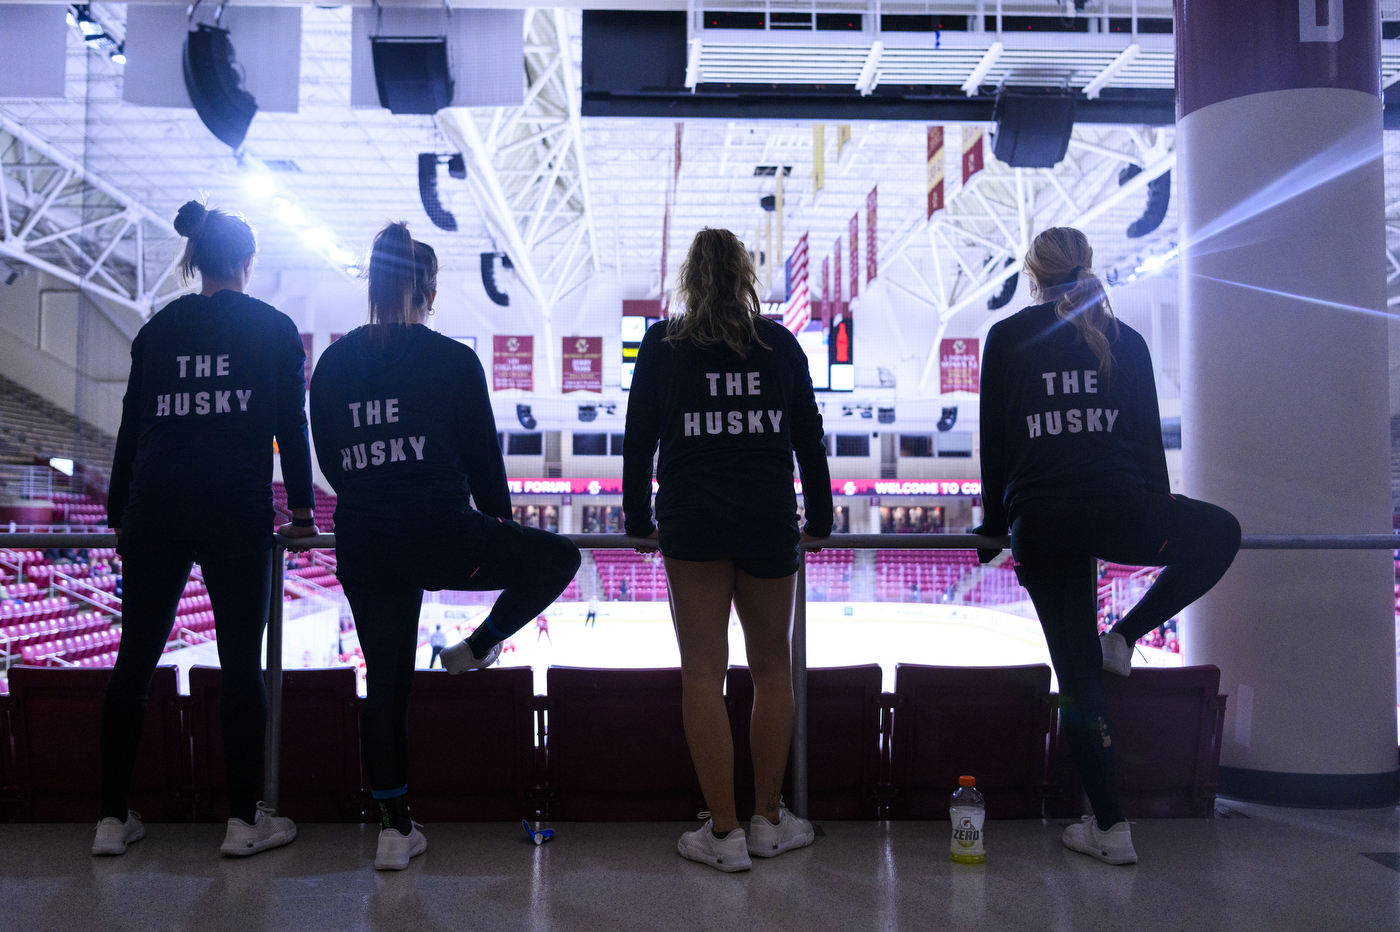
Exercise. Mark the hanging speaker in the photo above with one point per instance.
(1032, 129)
(215, 85)
(412, 73)
(488, 278)
(427, 191)
(1159, 195)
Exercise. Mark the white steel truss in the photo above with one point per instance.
(527, 170)
(58, 216)
(979, 240)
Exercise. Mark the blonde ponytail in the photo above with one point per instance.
(1060, 264)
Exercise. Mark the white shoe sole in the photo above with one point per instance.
(398, 861)
(463, 660)
(275, 840)
(1114, 665)
(792, 844)
(120, 848)
(701, 856)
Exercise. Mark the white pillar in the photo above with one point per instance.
(1285, 387)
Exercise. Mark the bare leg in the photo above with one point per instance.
(700, 597)
(765, 611)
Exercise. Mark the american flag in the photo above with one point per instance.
(798, 310)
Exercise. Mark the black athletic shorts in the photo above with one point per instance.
(765, 550)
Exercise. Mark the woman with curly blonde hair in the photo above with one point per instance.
(728, 396)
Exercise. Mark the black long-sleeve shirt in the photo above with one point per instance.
(728, 428)
(1052, 427)
(213, 381)
(403, 429)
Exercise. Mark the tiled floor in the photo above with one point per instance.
(1258, 869)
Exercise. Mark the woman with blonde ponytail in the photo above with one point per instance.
(404, 433)
(1074, 469)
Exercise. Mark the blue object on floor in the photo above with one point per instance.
(538, 835)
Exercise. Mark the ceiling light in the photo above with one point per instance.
(119, 56)
(260, 185)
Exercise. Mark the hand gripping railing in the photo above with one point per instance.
(273, 745)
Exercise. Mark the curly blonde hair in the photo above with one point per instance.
(716, 295)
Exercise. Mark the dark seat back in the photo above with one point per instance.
(991, 723)
(471, 745)
(320, 767)
(1166, 724)
(843, 741)
(617, 749)
(55, 714)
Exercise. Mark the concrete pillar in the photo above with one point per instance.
(1285, 386)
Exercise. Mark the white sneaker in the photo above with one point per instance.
(767, 840)
(113, 835)
(395, 848)
(1117, 653)
(267, 831)
(1114, 846)
(728, 854)
(459, 658)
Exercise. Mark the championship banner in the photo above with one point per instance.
(971, 152)
(513, 363)
(843, 136)
(870, 268)
(836, 295)
(935, 170)
(818, 158)
(855, 254)
(583, 364)
(957, 366)
(826, 293)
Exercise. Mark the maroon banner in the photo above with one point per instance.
(935, 170)
(870, 268)
(836, 294)
(826, 293)
(583, 364)
(513, 363)
(855, 254)
(957, 366)
(1232, 48)
(972, 161)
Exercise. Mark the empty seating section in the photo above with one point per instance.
(325, 506)
(608, 745)
(31, 428)
(921, 575)
(829, 575)
(624, 575)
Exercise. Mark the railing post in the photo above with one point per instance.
(272, 747)
(799, 690)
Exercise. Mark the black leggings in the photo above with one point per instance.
(153, 581)
(1056, 541)
(384, 579)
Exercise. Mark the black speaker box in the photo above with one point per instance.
(1032, 129)
(412, 74)
(215, 86)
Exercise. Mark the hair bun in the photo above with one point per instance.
(188, 220)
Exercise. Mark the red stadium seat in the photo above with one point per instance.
(989, 722)
(472, 746)
(1166, 726)
(617, 749)
(843, 741)
(320, 746)
(55, 717)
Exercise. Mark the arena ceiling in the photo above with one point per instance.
(572, 197)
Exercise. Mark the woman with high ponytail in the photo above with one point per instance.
(1073, 467)
(216, 378)
(404, 433)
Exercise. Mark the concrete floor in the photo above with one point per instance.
(1256, 868)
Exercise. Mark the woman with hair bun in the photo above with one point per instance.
(404, 433)
(216, 377)
(1073, 467)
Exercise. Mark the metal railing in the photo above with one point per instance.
(273, 745)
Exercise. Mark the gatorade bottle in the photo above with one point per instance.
(968, 810)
